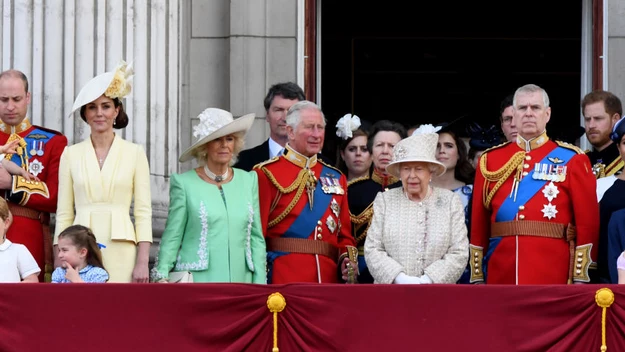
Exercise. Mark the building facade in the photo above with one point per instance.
(192, 54)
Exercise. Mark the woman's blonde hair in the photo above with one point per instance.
(200, 153)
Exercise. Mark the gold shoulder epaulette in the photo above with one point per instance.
(496, 147)
(586, 151)
(328, 165)
(356, 180)
(570, 146)
(266, 162)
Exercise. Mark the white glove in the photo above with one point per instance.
(404, 279)
(425, 279)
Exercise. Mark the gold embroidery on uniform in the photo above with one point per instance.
(363, 178)
(500, 176)
(299, 184)
(614, 167)
(360, 220)
(377, 178)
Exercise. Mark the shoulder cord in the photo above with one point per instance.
(500, 176)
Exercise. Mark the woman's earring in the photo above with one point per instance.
(114, 122)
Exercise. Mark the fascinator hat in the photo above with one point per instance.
(420, 147)
(115, 84)
(483, 138)
(346, 125)
(618, 131)
(216, 123)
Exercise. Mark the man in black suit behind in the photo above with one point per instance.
(279, 99)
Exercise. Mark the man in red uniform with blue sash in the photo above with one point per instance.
(535, 216)
(303, 207)
(38, 153)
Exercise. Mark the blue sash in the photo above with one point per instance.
(528, 187)
(306, 221)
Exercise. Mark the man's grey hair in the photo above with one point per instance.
(295, 112)
(531, 88)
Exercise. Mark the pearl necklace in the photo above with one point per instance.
(216, 178)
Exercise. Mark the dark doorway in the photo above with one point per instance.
(434, 61)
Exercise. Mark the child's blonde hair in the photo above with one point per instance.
(83, 237)
(4, 210)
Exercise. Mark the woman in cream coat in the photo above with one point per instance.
(417, 234)
(100, 176)
(213, 228)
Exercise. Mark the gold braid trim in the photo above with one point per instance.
(362, 217)
(360, 220)
(299, 184)
(362, 178)
(500, 176)
(614, 167)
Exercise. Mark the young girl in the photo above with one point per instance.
(80, 257)
(16, 262)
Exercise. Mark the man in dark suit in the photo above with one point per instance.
(279, 99)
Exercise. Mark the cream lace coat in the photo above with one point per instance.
(428, 237)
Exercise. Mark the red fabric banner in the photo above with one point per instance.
(235, 317)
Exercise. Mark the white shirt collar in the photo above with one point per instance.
(5, 245)
(274, 148)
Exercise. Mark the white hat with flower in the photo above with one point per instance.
(113, 84)
(216, 123)
(346, 125)
(420, 147)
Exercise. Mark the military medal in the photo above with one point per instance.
(337, 186)
(536, 173)
(40, 149)
(35, 167)
(324, 185)
(336, 208)
(33, 151)
(551, 191)
(331, 223)
(549, 211)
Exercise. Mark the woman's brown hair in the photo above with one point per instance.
(83, 237)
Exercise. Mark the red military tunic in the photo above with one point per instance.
(519, 237)
(31, 210)
(286, 214)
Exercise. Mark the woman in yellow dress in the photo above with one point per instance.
(102, 175)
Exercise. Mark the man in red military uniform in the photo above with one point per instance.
(303, 207)
(40, 150)
(535, 216)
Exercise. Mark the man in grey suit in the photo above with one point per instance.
(279, 99)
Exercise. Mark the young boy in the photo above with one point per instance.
(16, 262)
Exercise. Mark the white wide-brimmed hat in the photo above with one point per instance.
(113, 84)
(420, 147)
(216, 123)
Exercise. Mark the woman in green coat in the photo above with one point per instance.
(213, 228)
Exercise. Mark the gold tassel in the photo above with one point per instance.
(604, 298)
(276, 304)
